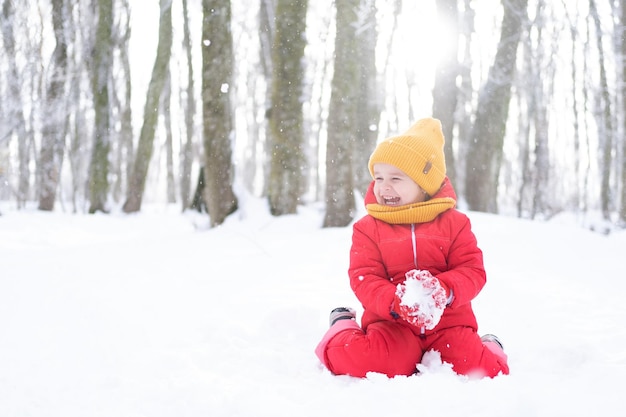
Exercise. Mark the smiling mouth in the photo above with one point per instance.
(391, 201)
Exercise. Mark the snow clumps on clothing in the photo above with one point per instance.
(422, 299)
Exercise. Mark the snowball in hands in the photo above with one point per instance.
(421, 298)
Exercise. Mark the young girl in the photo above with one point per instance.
(415, 267)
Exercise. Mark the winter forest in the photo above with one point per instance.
(106, 104)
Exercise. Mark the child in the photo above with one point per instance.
(415, 267)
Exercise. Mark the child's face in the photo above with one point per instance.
(392, 187)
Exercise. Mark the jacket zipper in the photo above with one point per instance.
(414, 242)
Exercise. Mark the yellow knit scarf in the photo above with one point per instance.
(411, 213)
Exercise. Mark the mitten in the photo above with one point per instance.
(420, 300)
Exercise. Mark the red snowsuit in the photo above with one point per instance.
(380, 256)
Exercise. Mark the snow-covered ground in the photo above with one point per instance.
(154, 315)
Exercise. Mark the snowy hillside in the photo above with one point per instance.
(156, 315)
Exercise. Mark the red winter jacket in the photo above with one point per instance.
(382, 253)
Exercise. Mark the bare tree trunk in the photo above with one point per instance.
(604, 119)
(445, 92)
(342, 119)
(255, 139)
(267, 27)
(621, 37)
(78, 150)
(169, 140)
(145, 146)
(80, 94)
(526, 180)
(369, 98)
(101, 75)
(396, 7)
(542, 159)
(465, 101)
(16, 121)
(322, 72)
(485, 156)
(126, 134)
(287, 166)
(217, 72)
(124, 154)
(543, 76)
(189, 104)
(578, 192)
(588, 67)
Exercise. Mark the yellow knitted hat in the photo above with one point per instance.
(418, 152)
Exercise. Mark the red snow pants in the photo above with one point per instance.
(392, 348)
